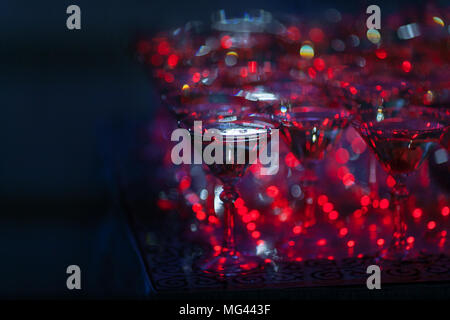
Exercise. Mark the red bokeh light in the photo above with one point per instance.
(172, 61)
(431, 225)
(251, 226)
(333, 215)
(342, 155)
(417, 213)
(272, 191)
(328, 207)
(406, 66)
(256, 234)
(322, 199)
(297, 229)
(201, 215)
(365, 200)
(226, 42)
(384, 203)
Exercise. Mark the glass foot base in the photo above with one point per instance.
(397, 253)
(229, 263)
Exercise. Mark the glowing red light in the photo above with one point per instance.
(350, 243)
(256, 234)
(333, 215)
(381, 54)
(291, 243)
(357, 213)
(254, 214)
(217, 248)
(252, 66)
(260, 242)
(322, 199)
(185, 183)
(390, 181)
(445, 211)
(410, 240)
(239, 203)
(380, 242)
(319, 64)
(226, 42)
(196, 77)
(365, 200)
(342, 171)
(406, 66)
(196, 207)
(342, 155)
(330, 73)
(251, 226)
(417, 213)
(172, 61)
(328, 207)
(244, 72)
(321, 242)
(213, 219)
(246, 218)
(375, 203)
(373, 227)
(384, 203)
(201, 215)
(348, 179)
(291, 161)
(242, 211)
(297, 229)
(312, 73)
(431, 225)
(343, 231)
(353, 90)
(272, 191)
(330, 258)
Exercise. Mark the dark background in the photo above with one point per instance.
(61, 93)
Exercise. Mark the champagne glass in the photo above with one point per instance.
(238, 137)
(308, 131)
(401, 139)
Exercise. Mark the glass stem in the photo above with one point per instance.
(309, 186)
(228, 196)
(210, 199)
(399, 199)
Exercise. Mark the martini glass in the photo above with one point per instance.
(308, 132)
(401, 139)
(238, 139)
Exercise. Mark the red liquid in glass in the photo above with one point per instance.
(247, 140)
(401, 144)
